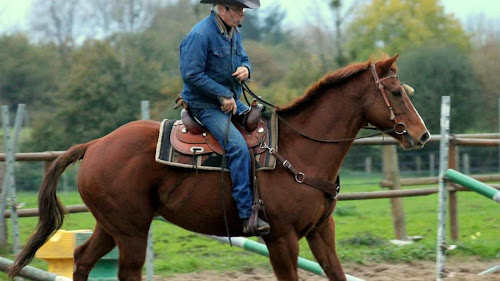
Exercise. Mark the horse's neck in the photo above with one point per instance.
(334, 116)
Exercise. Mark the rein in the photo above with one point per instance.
(329, 188)
(247, 89)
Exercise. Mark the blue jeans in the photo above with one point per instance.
(237, 153)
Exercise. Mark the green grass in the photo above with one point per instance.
(363, 229)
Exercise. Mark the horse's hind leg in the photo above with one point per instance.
(86, 255)
(132, 256)
(283, 253)
(322, 244)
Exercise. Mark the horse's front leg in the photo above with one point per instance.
(322, 243)
(283, 253)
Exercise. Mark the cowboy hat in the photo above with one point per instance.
(250, 4)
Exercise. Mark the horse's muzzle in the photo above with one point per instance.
(418, 142)
(424, 138)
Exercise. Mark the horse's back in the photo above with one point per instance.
(134, 138)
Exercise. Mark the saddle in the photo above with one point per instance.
(190, 137)
(187, 143)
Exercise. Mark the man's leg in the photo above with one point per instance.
(237, 153)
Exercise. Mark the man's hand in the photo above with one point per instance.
(241, 73)
(228, 105)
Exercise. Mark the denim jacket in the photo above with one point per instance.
(208, 58)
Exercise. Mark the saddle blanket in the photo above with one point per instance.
(177, 147)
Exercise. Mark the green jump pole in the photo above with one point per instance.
(261, 249)
(32, 273)
(473, 184)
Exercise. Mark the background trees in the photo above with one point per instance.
(398, 25)
(29, 73)
(443, 71)
(85, 65)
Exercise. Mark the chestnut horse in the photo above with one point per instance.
(125, 188)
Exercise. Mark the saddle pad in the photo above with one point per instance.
(168, 155)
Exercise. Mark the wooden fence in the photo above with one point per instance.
(391, 179)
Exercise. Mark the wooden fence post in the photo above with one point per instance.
(466, 163)
(432, 165)
(391, 172)
(368, 165)
(418, 164)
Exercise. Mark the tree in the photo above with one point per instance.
(340, 19)
(55, 20)
(252, 30)
(266, 69)
(98, 96)
(272, 29)
(28, 73)
(482, 30)
(443, 71)
(398, 25)
(485, 38)
(109, 16)
(485, 63)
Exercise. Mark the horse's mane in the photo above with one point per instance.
(326, 82)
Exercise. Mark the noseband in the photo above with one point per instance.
(399, 127)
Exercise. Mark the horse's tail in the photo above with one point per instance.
(51, 210)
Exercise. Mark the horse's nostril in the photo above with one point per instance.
(425, 137)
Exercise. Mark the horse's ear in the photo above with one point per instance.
(386, 65)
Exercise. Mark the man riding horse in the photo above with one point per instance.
(213, 64)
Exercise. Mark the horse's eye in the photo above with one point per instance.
(397, 93)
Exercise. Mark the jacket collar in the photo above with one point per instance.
(222, 27)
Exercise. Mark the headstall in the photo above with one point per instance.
(399, 127)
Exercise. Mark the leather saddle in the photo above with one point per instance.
(190, 137)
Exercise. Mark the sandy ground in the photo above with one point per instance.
(458, 270)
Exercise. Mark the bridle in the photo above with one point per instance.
(399, 127)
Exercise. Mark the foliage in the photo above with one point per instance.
(103, 90)
(442, 71)
(160, 44)
(28, 72)
(398, 25)
(56, 20)
(485, 64)
(268, 29)
(78, 88)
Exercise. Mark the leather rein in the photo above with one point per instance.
(399, 127)
(329, 188)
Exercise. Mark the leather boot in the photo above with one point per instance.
(262, 226)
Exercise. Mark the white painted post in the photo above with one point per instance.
(442, 196)
(149, 252)
(9, 184)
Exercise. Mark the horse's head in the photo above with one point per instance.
(388, 106)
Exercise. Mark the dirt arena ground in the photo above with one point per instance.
(458, 270)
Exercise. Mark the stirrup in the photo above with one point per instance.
(256, 230)
(251, 225)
